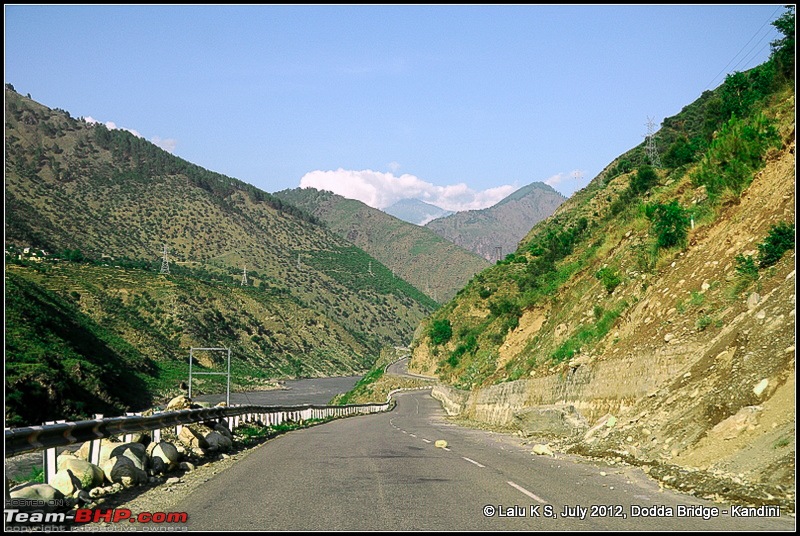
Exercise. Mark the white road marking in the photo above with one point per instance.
(528, 493)
(412, 435)
(404, 431)
(473, 461)
(445, 448)
(426, 440)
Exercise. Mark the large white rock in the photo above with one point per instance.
(88, 475)
(163, 457)
(193, 436)
(542, 450)
(179, 403)
(106, 446)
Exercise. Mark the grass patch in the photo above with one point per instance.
(587, 334)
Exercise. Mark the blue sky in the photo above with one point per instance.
(458, 105)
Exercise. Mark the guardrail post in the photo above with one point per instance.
(49, 462)
(95, 445)
(129, 437)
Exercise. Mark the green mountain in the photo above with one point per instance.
(658, 303)
(502, 225)
(89, 212)
(414, 253)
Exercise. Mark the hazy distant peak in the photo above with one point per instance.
(416, 211)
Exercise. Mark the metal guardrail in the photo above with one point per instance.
(50, 436)
(33, 438)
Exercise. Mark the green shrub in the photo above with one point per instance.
(609, 278)
(644, 179)
(440, 332)
(703, 322)
(746, 269)
(670, 223)
(735, 155)
(503, 307)
(779, 240)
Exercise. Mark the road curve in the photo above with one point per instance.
(384, 472)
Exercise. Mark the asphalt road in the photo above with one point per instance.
(384, 472)
(400, 367)
(296, 393)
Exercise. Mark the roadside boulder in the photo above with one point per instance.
(123, 470)
(42, 497)
(178, 403)
(222, 429)
(86, 475)
(541, 449)
(193, 436)
(218, 442)
(163, 457)
(106, 446)
(136, 452)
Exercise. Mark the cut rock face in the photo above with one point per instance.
(553, 420)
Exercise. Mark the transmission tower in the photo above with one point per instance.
(498, 253)
(244, 276)
(165, 262)
(650, 148)
(370, 268)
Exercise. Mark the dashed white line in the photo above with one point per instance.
(404, 431)
(473, 461)
(426, 440)
(526, 492)
(412, 435)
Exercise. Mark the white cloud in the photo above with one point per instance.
(567, 183)
(111, 125)
(393, 166)
(380, 190)
(167, 144)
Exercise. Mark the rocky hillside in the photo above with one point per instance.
(651, 319)
(88, 214)
(502, 225)
(419, 256)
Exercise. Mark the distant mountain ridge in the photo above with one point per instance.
(106, 203)
(416, 211)
(429, 262)
(500, 227)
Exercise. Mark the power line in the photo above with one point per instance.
(744, 47)
(751, 57)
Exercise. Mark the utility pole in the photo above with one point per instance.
(165, 262)
(244, 276)
(650, 148)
